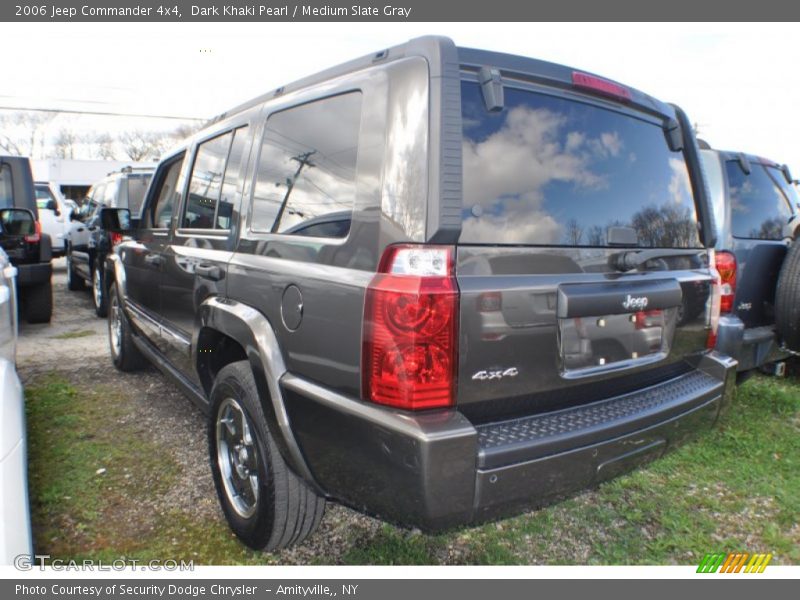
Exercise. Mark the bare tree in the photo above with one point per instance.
(574, 232)
(142, 145)
(101, 145)
(64, 143)
(23, 133)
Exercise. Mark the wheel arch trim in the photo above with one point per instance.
(253, 331)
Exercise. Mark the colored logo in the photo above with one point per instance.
(736, 562)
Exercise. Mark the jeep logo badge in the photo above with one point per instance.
(634, 303)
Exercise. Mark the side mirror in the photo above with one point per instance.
(17, 221)
(115, 220)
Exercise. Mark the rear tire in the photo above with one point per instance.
(99, 291)
(37, 302)
(124, 353)
(267, 506)
(74, 281)
(787, 299)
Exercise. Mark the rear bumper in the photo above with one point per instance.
(33, 273)
(438, 470)
(752, 348)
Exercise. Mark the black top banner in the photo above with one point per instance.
(395, 10)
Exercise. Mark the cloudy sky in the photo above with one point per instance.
(738, 82)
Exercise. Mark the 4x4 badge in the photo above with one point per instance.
(495, 374)
(634, 303)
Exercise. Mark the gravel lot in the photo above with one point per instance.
(75, 346)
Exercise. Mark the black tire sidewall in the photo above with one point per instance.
(256, 530)
(100, 308)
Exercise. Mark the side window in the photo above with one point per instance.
(231, 183)
(759, 206)
(96, 193)
(110, 193)
(6, 189)
(43, 196)
(214, 181)
(306, 172)
(165, 193)
(205, 184)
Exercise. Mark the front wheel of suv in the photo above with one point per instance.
(124, 353)
(267, 506)
(74, 281)
(99, 291)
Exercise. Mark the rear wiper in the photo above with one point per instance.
(627, 261)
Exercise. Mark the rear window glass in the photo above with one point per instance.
(550, 171)
(6, 189)
(760, 202)
(137, 186)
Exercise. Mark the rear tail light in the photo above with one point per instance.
(115, 238)
(410, 329)
(716, 302)
(37, 235)
(726, 267)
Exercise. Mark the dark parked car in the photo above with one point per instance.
(29, 250)
(88, 243)
(755, 209)
(486, 310)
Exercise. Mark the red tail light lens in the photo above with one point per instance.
(726, 267)
(37, 235)
(115, 238)
(410, 328)
(715, 300)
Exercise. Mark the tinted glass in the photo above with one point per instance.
(759, 204)
(551, 171)
(167, 194)
(137, 186)
(43, 196)
(307, 167)
(232, 181)
(17, 222)
(205, 184)
(6, 189)
(110, 193)
(96, 193)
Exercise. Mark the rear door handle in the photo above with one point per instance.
(206, 271)
(154, 260)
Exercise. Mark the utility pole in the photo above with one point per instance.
(305, 161)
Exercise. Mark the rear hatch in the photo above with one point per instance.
(761, 203)
(580, 264)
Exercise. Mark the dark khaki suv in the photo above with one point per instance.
(435, 284)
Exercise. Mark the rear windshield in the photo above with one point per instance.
(761, 202)
(551, 171)
(137, 186)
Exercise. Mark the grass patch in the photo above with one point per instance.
(70, 335)
(90, 470)
(735, 488)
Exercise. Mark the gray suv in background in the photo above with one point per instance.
(755, 207)
(436, 284)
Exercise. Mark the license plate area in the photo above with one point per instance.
(594, 344)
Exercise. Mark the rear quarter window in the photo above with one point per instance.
(547, 170)
(760, 204)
